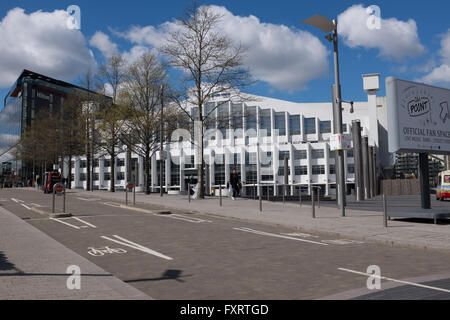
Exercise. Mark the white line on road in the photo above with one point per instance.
(17, 200)
(24, 205)
(66, 223)
(188, 219)
(88, 199)
(85, 222)
(278, 236)
(112, 204)
(36, 205)
(394, 280)
(136, 246)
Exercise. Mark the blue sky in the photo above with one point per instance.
(424, 55)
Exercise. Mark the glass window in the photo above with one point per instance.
(174, 172)
(120, 175)
(83, 163)
(283, 154)
(96, 163)
(325, 126)
(300, 154)
(351, 168)
(310, 125)
(120, 162)
(95, 176)
(344, 127)
(280, 123)
(106, 176)
(350, 153)
(301, 170)
(250, 120)
(237, 122)
(317, 154)
(294, 124)
(281, 171)
(318, 169)
(107, 163)
(82, 176)
(332, 169)
(223, 119)
(265, 122)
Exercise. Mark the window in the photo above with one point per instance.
(120, 162)
(325, 126)
(332, 169)
(280, 123)
(72, 164)
(107, 163)
(351, 168)
(320, 169)
(95, 176)
(344, 127)
(265, 122)
(250, 158)
(250, 121)
(310, 125)
(106, 176)
(96, 163)
(294, 125)
(350, 153)
(283, 154)
(120, 175)
(237, 123)
(82, 176)
(158, 164)
(317, 153)
(223, 119)
(300, 154)
(174, 172)
(281, 171)
(83, 163)
(301, 170)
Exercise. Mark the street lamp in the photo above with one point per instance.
(330, 27)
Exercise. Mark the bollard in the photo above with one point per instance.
(189, 192)
(260, 198)
(134, 195)
(268, 193)
(220, 194)
(284, 194)
(53, 206)
(254, 191)
(64, 200)
(384, 211)
(300, 195)
(313, 205)
(126, 195)
(318, 196)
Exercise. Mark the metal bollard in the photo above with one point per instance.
(53, 206)
(268, 193)
(189, 192)
(254, 191)
(384, 211)
(318, 197)
(284, 194)
(134, 195)
(300, 195)
(126, 195)
(260, 198)
(64, 201)
(220, 194)
(313, 204)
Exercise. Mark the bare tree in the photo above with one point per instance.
(111, 114)
(211, 64)
(142, 94)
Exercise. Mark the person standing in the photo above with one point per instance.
(234, 183)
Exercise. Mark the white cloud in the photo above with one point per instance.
(395, 39)
(284, 57)
(102, 42)
(40, 41)
(441, 73)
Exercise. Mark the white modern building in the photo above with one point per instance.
(274, 128)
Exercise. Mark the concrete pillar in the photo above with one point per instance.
(141, 172)
(76, 172)
(357, 156)
(308, 156)
(424, 181)
(154, 172)
(371, 176)
(371, 84)
(365, 163)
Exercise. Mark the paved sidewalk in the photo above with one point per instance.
(33, 266)
(358, 224)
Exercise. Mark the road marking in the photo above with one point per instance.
(66, 223)
(298, 234)
(17, 200)
(85, 222)
(88, 199)
(36, 205)
(394, 280)
(112, 204)
(342, 241)
(188, 219)
(278, 236)
(136, 246)
(24, 205)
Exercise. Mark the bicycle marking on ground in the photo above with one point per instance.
(112, 204)
(99, 252)
(136, 246)
(394, 280)
(65, 223)
(262, 233)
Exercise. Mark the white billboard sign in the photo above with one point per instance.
(340, 142)
(418, 117)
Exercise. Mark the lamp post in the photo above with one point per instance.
(162, 144)
(330, 27)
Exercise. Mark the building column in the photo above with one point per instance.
(76, 172)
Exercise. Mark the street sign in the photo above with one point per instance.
(59, 189)
(130, 186)
(340, 142)
(418, 117)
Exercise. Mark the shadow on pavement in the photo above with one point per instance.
(167, 275)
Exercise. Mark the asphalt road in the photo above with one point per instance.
(187, 256)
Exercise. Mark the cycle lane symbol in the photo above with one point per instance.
(99, 252)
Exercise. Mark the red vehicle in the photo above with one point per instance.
(50, 178)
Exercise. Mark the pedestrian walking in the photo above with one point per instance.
(234, 184)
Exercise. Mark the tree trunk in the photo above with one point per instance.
(112, 188)
(147, 173)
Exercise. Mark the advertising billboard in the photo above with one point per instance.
(418, 117)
